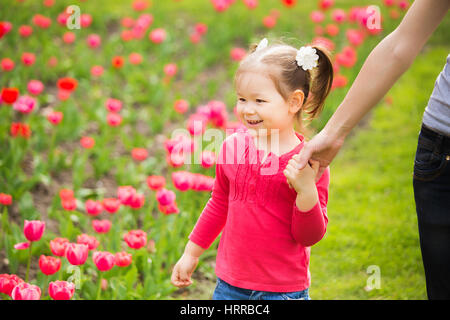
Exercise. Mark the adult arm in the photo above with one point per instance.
(382, 68)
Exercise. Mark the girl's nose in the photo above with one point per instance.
(249, 109)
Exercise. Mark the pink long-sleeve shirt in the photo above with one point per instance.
(266, 239)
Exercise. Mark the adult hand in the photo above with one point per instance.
(322, 148)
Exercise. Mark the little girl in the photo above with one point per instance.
(270, 212)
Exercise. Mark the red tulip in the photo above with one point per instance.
(69, 37)
(332, 30)
(76, 253)
(33, 230)
(41, 21)
(325, 4)
(127, 22)
(8, 282)
(289, 3)
(7, 64)
(58, 246)
(117, 62)
(67, 84)
(103, 260)
(94, 208)
(339, 15)
(69, 204)
(111, 205)
(156, 182)
(61, 290)
(139, 154)
(251, 4)
(181, 106)
(101, 226)
(21, 129)
(5, 199)
(9, 95)
(140, 5)
(169, 209)
(269, 22)
(65, 194)
(339, 81)
(87, 142)
(49, 265)
(88, 240)
(136, 239)
(123, 259)
(26, 291)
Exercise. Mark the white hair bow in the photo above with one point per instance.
(262, 44)
(307, 58)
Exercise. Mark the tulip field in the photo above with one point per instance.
(105, 164)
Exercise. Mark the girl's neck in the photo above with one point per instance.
(280, 143)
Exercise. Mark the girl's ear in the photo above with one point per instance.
(296, 101)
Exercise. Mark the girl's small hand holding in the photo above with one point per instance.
(301, 180)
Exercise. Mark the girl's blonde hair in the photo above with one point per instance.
(287, 76)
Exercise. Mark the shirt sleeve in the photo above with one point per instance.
(309, 227)
(214, 215)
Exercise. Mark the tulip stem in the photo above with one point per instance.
(29, 262)
(99, 285)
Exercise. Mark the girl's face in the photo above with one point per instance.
(260, 106)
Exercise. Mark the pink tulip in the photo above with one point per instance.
(35, 87)
(156, 182)
(122, 259)
(111, 205)
(135, 58)
(55, 117)
(25, 104)
(58, 246)
(28, 58)
(22, 245)
(103, 260)
(125, 194)
(76, 253)
(7, 64)
(85, 20)
(8, 282)
(69, 204)
(269, 22)
(93, 208)
(93, 40)
(26, 291)
(138, 201)
(96, 71)
(33, 230)
(139, 154)
(5, 199)
(355, 37)
(136, 239)
(165, 196)
(170, 69)
(69, 37)
(169, 209)
(88, 240)
(158, 35)
(101, 226)
(182, 180)
(339, 15)
(237, 54)
(207, 158)
(49, 265)
(325, 4)
(87, 142)
(317, 16)
(201, 28)
(114, 119)
(251, 4)
(25, 31)
(61, 290)
(113, 105)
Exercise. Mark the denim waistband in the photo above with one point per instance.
(441, 142)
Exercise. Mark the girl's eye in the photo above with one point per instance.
(242, 99)
(259, 101)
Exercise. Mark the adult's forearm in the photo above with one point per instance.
(386, 63)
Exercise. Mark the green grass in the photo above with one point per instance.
(371, 207)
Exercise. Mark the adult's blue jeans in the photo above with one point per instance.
(432, 196)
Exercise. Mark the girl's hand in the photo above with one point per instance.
(304, 179)
(183, 270)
